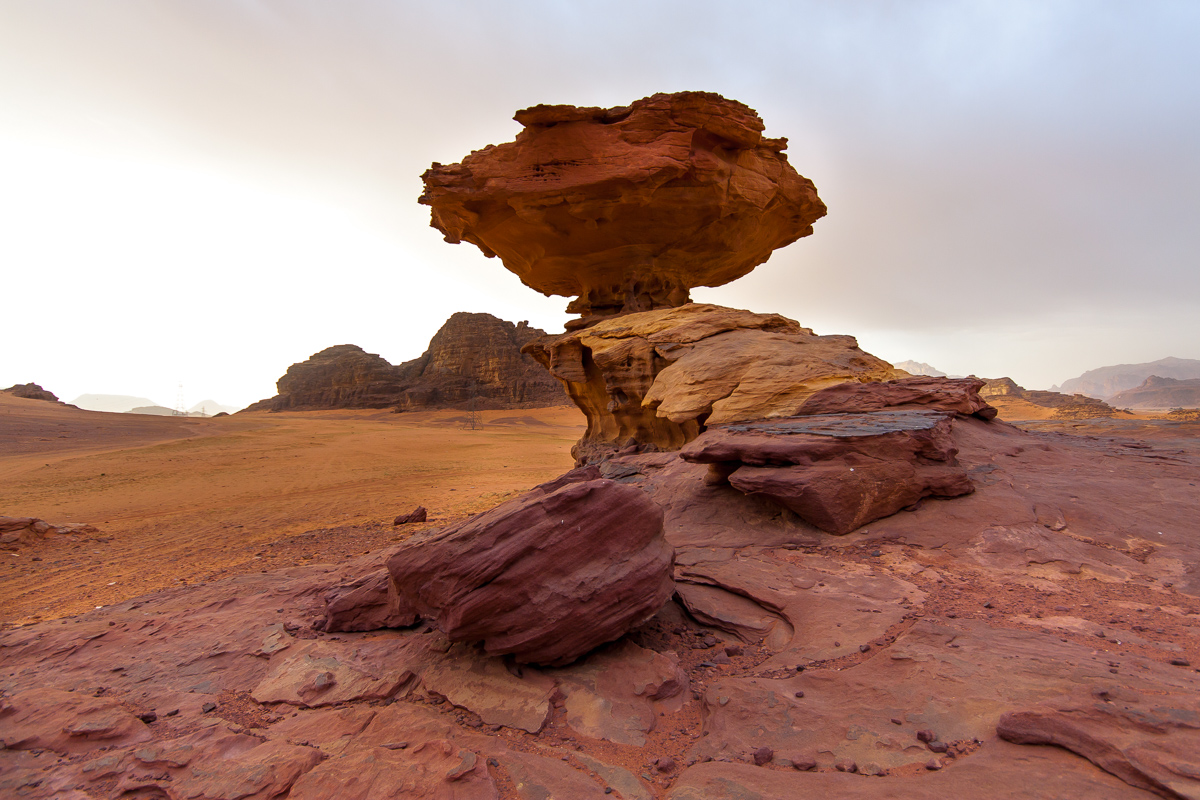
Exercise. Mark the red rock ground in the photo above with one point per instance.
(1068, 577)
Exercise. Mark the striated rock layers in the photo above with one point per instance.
(473, 358)
(546, 577)
(658, 378)
(627, 208)
(838, 471)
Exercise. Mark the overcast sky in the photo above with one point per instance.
(202, 193)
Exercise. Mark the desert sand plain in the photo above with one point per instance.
(182, 500)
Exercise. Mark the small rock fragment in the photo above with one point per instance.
(845, 765)
(933, 765)
(804, 763)
(938, 747)
(207, 707)
(926, 735)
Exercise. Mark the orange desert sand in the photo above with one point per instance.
(186, 500)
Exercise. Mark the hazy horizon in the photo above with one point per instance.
(205, 194)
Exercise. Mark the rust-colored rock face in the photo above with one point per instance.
(656, 378)
(546, 577)
(838, 471)
(627, 208)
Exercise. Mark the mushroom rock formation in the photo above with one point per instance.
(627, 208)
(657, 378)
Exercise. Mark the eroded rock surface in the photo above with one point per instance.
(838, 471)
(1036, 607)
(627, 208)
(960, 396)
(546, 577)
(656, 379)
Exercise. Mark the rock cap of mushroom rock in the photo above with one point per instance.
(627, 208)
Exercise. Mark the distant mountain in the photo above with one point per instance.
(919, 368)
(473, 361)
(158, 411)
(210, 408)
(1159, 394)
(116, 403)
(1105, 382)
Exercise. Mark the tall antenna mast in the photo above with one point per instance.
(179, 412)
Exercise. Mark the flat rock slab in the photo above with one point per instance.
(839, 426)
(482, 684)
(999, 771)
(619, 692)
(956, 678)
(806, 608)
(431, 770)
(314, 675)
(66, 722)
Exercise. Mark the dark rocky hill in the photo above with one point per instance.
(1160, 393)
(474, 359)
(31, 391)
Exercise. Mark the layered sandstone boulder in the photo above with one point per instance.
(473, 359)
(546, 577)
(960, 395)
(657, 378)
(627, 208)
(838, 471)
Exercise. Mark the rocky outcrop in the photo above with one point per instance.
(26, 530)
(474, 359)
(546, 577)
(655, 379)
(1159, 393)
(342, 376)
(31, 391)
(837, 471)
(627, 208)
(960, 396)
(477, 358)
(1004, 391)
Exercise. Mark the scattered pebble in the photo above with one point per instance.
(1180, 662)
(926, 735)
(845, 765)
(933, 764)
(763, 755)
(207, 707)
(799, 694)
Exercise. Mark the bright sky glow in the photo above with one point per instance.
(205, 193)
